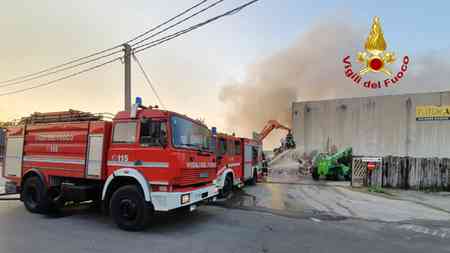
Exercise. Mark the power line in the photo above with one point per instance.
(60, 70)
(147, 78)
(159, 41)
(166, 22)
(60, 65)
(60, 79)
(16, 79)
(179, 22)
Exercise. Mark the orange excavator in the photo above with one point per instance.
(288, 142)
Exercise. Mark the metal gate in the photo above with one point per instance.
(359, 172)
(367, 171)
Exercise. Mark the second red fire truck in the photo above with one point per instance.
(239, 161)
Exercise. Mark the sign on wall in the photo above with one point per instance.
(431, 112)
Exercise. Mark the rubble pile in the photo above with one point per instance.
(291, 163)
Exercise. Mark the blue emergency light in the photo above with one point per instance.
(139, 101)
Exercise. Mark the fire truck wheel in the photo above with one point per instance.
(128, 208)
(34, 196)
(227, 187)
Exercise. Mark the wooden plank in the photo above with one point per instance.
(412, 173)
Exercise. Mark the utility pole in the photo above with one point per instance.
(127, 61)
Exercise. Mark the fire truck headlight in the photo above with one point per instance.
(185, 198)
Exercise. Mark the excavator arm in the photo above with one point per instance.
(288, 142)
(269, 127)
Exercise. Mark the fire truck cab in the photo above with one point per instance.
(239, 162)
(142, 161)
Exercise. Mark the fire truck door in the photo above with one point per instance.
(13, 157)
(95, 156)
(248, 162)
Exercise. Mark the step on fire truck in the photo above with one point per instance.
(239, 161)
(142, 161)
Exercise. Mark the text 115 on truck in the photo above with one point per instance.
(142, 161)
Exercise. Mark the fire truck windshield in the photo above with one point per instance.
(187, 134)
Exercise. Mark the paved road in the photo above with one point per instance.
(216, 229)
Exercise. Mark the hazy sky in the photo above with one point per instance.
(189, 72)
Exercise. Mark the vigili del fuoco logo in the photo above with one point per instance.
(375, 59)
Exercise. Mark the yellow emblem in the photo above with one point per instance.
(375, 58)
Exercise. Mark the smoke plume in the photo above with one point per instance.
(312, 69)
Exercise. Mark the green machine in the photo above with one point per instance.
(333, 167)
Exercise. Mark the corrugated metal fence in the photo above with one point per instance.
(412, 173)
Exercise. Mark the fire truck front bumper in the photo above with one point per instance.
(166, 201)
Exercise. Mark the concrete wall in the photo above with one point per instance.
(373, 126)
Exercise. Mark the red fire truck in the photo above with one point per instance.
(142, 161)
(238, 162)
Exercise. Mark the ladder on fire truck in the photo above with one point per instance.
(64, 116)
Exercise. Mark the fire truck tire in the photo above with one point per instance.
(129, 209)
(227, 187)
(35, 196)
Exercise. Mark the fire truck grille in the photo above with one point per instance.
(190, 176)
